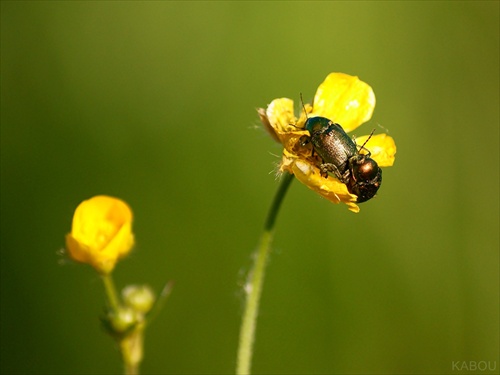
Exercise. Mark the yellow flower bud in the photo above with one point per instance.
(101, 232)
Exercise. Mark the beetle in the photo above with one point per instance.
(340, 155)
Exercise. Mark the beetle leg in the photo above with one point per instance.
(329, 167)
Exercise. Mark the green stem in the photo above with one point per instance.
(131, 347)
(131, 344)
(109, 287)
(253, 287)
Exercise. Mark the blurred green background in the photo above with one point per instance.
(154, 102)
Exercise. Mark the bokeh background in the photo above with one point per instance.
(154, 102)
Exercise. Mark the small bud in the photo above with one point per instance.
(123, 319)
(139, 297)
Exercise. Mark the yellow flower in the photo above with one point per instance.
(101, 232)
(345, 100)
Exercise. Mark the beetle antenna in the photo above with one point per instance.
(303, 106)
(363, 147)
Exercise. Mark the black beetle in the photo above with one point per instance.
(340, 155)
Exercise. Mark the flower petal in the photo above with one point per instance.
(280, 122)
(329, 188)
(267, 124)
(344, 99)
(382, 148)
(280, 114)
